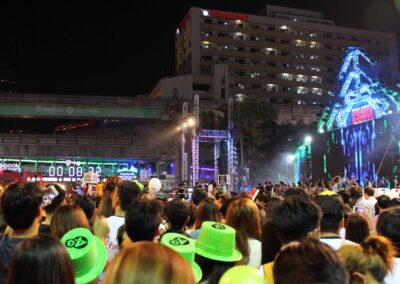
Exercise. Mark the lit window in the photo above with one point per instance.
(240, 97)
(316, 91)
(177, 31)
(315, 79)
(285, 29)
(299, 42)
(254, 74)
(239, 36)
(314, 44)
(301, 78)
(301, 90)
(286, 76)
(270, 51)
(241, 86)
(271, 88)
(206, 44)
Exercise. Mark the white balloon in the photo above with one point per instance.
(154, 185)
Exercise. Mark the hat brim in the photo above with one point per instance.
(198, 274)
(235, 257)
(99, 266)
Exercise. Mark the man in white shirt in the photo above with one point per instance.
(332, 207)
(369, 195)
(358, 199)
(126, 194)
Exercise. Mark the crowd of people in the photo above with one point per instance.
(280, 234)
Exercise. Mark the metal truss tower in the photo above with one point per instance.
(213, 136)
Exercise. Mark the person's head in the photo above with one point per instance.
(299, 192)
(357, 228)
(142, 219)
(198, 195)
(215, 250)
(244, 217)
(88, 206)
(177, 214)
(369, 262)
(192, 216)
(296, 219)
(333, 211)
(207, 211)
(42, 259)
(394, 202)
(270, 243)
(148, 262)
(356, 193)
(20, 205)
(127, 192)
(345, 196)
(383, 201)
(66, 218)
(105, 208)
(57, 201)
(309, 261)
(389, 226)
(368, 192)
(272, 204)
(225, 205)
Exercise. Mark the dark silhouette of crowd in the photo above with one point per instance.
(335, 233)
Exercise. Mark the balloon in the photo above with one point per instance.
(154, 185)
(242, 274)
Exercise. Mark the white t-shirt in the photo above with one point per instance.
(365, 203)
(255, 253)
(115, 222)
(335, 242)
(394, 276)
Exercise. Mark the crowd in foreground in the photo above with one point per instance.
(129, 236)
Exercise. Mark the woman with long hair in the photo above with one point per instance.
(148, 262)
(243, 215)
(66, 218)
(105, 207)
(42, 259)
(208, 210)
(357, 228)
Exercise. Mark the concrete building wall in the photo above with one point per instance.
(289, 56)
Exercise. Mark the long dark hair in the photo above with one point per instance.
(105, 207)
(270, 242)
(207, 211)
(357, 228)
(42, 259)
(212, 269)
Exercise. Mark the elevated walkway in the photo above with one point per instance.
(81, 107)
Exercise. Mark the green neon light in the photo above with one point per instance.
(324, 164)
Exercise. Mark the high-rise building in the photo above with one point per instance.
(290, 57)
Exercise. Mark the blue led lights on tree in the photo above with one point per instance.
(363, 97)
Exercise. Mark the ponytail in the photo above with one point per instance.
(380, 254)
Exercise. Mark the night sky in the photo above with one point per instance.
(124, 49)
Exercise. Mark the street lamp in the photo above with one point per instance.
(308, 140)
(183, 124)
(290, 158)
